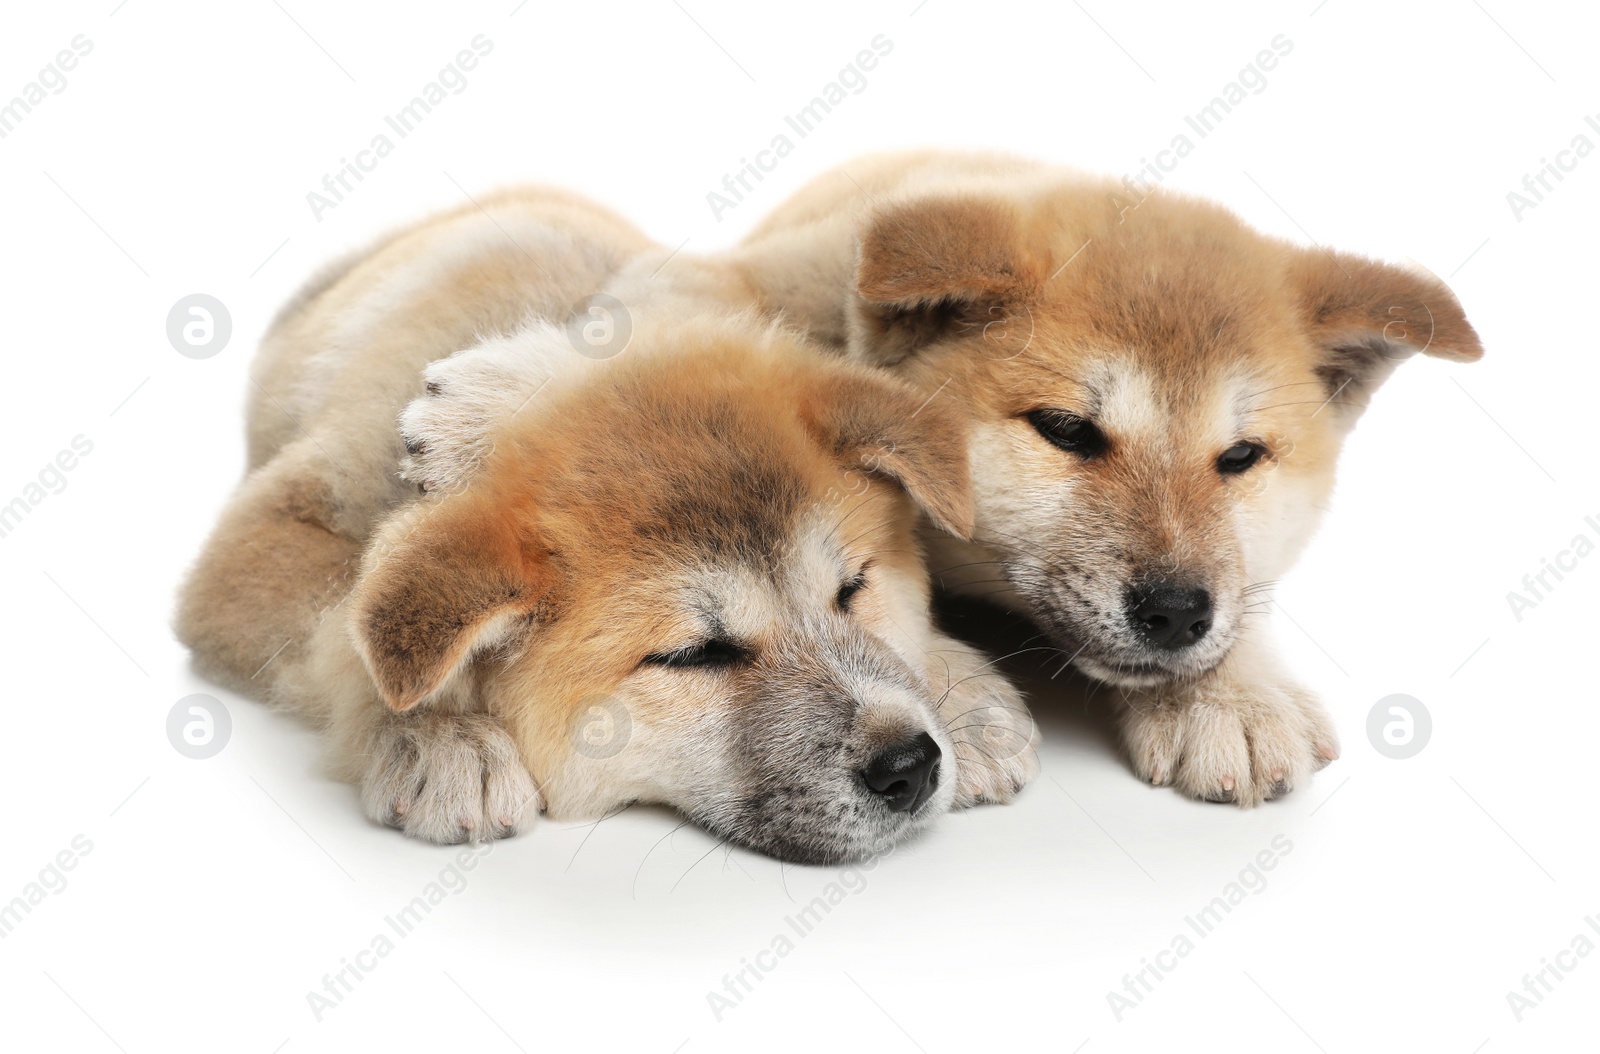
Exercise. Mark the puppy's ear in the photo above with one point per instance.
(1366, 317)
(454, 577)
(927, 266)
(878, 424)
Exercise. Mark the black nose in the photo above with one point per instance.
(905, 774)
(1169, 615)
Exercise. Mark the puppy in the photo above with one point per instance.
(1158, 396)
(679, 569)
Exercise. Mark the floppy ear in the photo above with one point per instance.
(928, 265)
(452, 578)
(890, 430)
(1366, 317)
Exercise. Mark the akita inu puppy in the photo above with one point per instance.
(580, 574)
(1158, 396)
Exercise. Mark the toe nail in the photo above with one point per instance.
(1227, 783)
(1277, 775)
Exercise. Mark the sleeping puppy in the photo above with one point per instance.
(1158, 396)
(578, 576)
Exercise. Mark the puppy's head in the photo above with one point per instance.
(687, 576)
(1159, 397)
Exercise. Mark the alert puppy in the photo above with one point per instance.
(683, 571)
(1158, 396)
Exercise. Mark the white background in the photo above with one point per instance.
(218, 893)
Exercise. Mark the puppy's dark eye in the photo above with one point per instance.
(848, 591)
(706, 654)
(1070, 432)
(1239, 458)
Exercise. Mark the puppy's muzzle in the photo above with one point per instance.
(906, 774)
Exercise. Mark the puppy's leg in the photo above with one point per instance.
(274, 565)
(1245, 732)
(445, 770)
(996, 740)
(264, 610)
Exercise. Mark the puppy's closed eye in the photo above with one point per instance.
(706, 654)
(848, 591)
(1070, 432)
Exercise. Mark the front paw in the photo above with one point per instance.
(994, 736)
(449, 429)
(1223, 741)
(448, 778)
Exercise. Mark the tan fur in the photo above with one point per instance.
(1010, 287)
(458, 604)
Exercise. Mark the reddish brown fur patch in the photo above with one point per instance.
(1351, 302)
(925, 251)
(894, 431)
(427, 597)
(928, 266)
